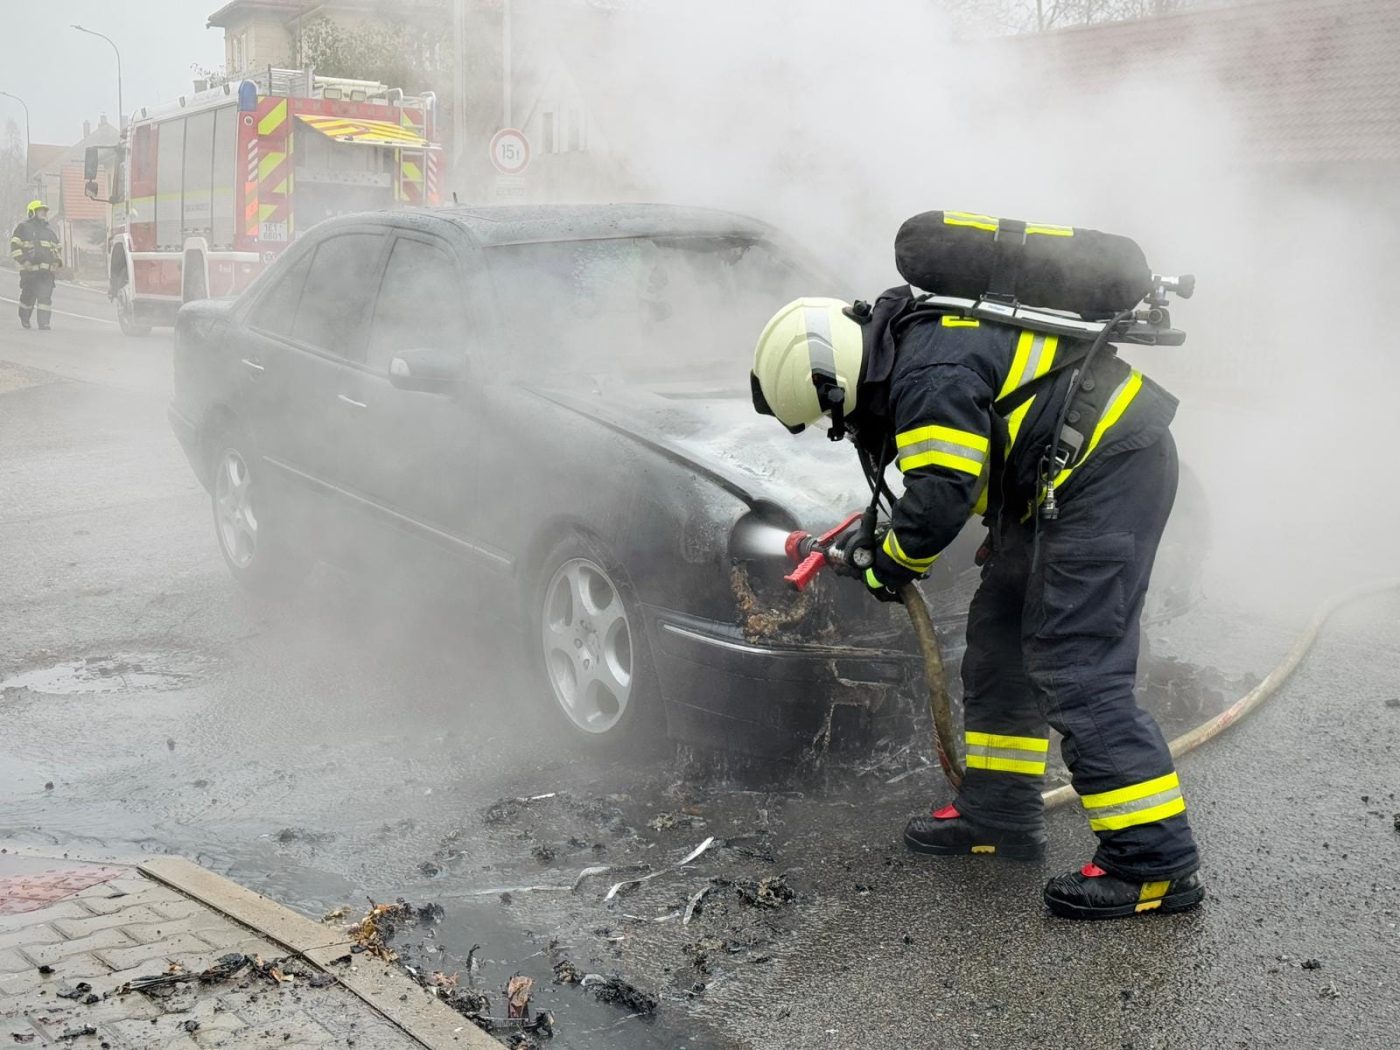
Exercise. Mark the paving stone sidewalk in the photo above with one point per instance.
(73, 933)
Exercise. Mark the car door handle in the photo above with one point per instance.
(253, 366)
(350, 401)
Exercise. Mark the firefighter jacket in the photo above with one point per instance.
(960, 456)
(34, 246)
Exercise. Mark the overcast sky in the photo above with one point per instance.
(67, 77)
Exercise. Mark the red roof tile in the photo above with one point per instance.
(1310, 80)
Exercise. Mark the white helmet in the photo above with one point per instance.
(807, 363)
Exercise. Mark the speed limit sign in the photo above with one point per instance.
(510, 151)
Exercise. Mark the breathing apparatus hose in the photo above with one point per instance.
(945, 741)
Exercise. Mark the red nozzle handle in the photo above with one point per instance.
(806, 570)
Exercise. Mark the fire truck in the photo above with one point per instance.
(208, 190)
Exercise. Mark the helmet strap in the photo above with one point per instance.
(832, 399)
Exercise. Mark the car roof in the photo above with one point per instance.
(494, 225)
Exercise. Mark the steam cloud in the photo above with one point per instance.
(835, 123)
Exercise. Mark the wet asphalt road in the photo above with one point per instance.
(348, 744)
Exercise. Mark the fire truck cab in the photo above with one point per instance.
(208, 190)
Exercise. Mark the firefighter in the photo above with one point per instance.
(34, 247)
(1053, 630)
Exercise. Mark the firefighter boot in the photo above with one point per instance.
(24, 313)
(948, 833)
(1092, 893)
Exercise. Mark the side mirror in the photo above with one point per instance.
(90, 166)
(90, 189)
(428, 370)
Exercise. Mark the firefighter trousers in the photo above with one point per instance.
(1052, 638)
(36, 286)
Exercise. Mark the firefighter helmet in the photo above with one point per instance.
(807, 363)
(37, 206)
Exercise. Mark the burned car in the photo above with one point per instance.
(552, 402)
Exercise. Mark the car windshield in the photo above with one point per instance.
(652, 308)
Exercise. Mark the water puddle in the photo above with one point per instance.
(122, 672)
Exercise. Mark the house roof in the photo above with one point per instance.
(42, 155)
(235, 9)
(1311, 81)
(289, 9)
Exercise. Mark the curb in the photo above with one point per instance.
(382, 987)
(378, 984)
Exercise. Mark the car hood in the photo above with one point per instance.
(718, 433)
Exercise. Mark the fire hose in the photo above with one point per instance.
(945, 739)
(811, 554)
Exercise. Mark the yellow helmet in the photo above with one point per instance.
(807, 363)
(36, 206)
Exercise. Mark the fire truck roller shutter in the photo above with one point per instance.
(365, 132)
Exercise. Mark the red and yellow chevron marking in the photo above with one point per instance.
(431, 188)
(410, 178)
(250, 190)
(368, 132)
(271, 122)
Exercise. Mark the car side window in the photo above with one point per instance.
(420, 303)
(277, 310)
(339, 288)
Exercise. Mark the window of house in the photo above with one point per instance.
(339, 288)
(576, 138)
(420, 303)
(548, 139)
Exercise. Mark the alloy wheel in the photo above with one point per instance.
(238, 524)
(587, 645)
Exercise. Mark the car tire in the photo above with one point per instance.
(588, 648)
(253, 530)
(126, 314)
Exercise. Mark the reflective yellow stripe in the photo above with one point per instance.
(1142, 816)
(872, 581)
(1050, 230)
(1117, 405)
(1034, 356)
(943, 447)
(276, 117)
(1005, 765)
(934, 432)
(948, 321)
(1020, 743)
(979, 506)
(1143, 803)
(992, 225)
(967, 218)
(896, 552)
(1006, 754)
(941, 459)
(1131, 793)
(269, 162)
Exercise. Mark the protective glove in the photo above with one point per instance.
(886, 577)
(878, 590)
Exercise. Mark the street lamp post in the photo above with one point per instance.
(26, 132)
(121, 108)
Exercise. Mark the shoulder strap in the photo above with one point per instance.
(1004, 406)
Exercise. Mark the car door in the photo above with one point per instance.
(418, 452)
(302, 355)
